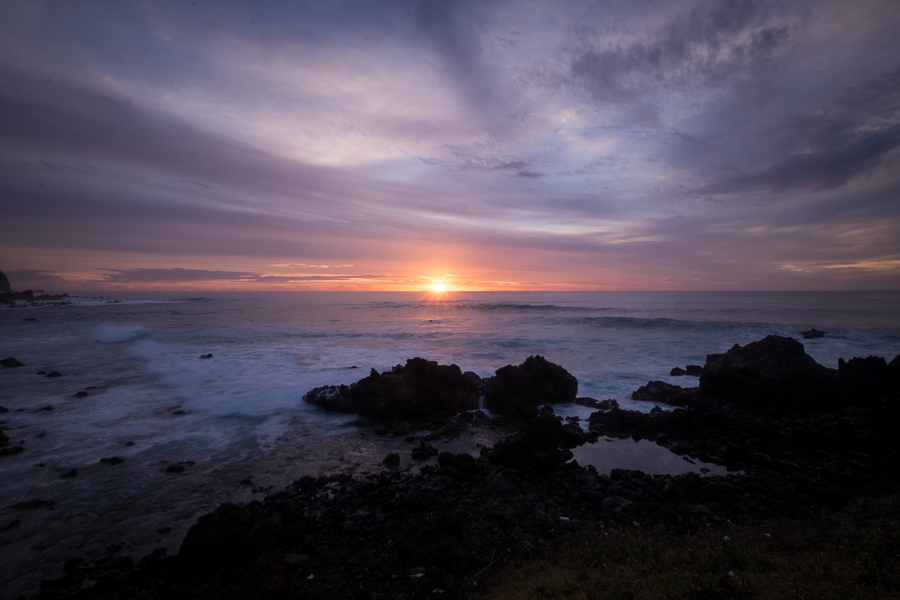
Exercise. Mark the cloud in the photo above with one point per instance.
(179, 275)
(710, 46)
(850, 137)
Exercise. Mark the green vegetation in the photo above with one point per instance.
(852, 553)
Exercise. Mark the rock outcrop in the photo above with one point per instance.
(772, 371)
(423, 389)
(417, 390)
(522, 389)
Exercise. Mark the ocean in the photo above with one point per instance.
(236, 422)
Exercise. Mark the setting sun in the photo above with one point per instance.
(438, 287)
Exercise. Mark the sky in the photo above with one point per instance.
(474, 145)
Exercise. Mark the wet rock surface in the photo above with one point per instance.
(10, 363)
(423, 389)
(419, 389)
(794, 434)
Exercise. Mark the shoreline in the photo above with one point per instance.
(824, 438)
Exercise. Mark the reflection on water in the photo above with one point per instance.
(608, 454)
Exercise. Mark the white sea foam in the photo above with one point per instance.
(139, 361)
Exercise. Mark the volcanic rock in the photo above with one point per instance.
(666, 393)
(538, 445)
(766, 372)
(420, 389)
(424, 451)
(221, 538)
(522, 388)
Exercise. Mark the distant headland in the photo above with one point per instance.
(8, 296)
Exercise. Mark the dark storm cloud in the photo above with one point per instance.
(827, 147)
(828, 167)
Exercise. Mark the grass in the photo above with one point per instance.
(852, 553)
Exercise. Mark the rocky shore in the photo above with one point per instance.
(794, 434)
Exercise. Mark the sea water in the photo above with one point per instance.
(236, 421)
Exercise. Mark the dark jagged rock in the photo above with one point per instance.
(396, 534)
(112, 460)
(538, 445)
(524, 387)
(11, 297)
(392, 460)
(10, 363)
(666, 393)
(4, 284)
(457, 466)
(811, 334)
(420, 389)
(225, 537)
(871, 377)
(692, 370)
(424, 451)
(774, 370)
(206, 355)
(54, 374)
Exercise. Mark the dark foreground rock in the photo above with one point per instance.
(522, 389)
(423, 389)
(440, 531)
(419, 389)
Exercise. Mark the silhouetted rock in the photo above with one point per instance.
(222, 538)
(4, 284)
(10, 363)
(391, 460)
(457, 466)
(420, 389)
(522, 388)
(538, 445)
(812, 334)
(869, 379)
(424, 451)
(27, 296)
(666, 393)
(692, 370)
(772, 370)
